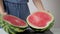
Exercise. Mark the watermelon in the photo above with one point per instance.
(40, 21)
(1, 22)
(13, 24)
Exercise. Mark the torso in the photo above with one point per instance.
(17, 8)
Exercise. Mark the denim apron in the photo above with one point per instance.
(18, 8)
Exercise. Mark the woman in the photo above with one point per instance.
(18, 8)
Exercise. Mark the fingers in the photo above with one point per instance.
(45, 10)
(3, 13)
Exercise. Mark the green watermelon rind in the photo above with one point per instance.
(14, 30)
(45, 29)
(8, 27)
(11, 32)
(42, 29)
(14, 27)
(1, 20)
(50, 25)
(17, 29)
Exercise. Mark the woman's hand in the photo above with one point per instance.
(44, 10)
(2, 8)
(3, 13)
(38, 4)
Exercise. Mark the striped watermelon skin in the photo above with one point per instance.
(10, 29)
(45, 29)
(1, 21)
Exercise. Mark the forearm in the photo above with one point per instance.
(1, 6)
(38, 4)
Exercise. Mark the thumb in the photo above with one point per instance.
(5, 13)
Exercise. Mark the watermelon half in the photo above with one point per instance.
(12, 24)
(40, 21)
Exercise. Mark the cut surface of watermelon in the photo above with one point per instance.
(40, 19)
(14, 20)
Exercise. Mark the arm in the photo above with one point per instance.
(1, 7)
(38, 4)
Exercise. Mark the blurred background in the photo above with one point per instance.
(54, 7)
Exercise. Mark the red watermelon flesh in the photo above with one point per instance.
(14, 20)
(39, 19)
